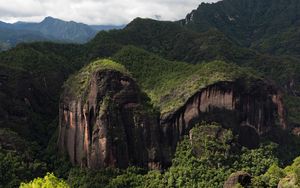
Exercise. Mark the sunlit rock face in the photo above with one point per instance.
(111, 126)
(248, 111)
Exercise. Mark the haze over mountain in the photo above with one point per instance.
(211, 100)
(50, 29)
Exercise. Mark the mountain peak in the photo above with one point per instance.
(51, 19)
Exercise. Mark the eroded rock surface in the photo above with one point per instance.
(110, 125)
(250, 111)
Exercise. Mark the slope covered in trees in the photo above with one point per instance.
(269, 26)
(216, 42)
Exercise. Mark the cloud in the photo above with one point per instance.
(114, 12)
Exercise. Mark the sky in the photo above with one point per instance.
(98, 12)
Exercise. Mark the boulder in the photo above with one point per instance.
(242, 178)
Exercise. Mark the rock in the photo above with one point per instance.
(110, 126)
(250, 111)
(296, 131)
(106, 121)
(242, 178)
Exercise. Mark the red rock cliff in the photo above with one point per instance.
(251, 111)
(110, 126)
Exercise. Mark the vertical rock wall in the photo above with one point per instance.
(250, 112)
(111, 126)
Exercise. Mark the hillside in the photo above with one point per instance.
(251, 23)
(196, 47)
(208, 101)
(29, 92)
(269, 26)
(189, 46)
(176, 81)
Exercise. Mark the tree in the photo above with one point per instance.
(49, 181)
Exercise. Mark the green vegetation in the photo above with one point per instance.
(49, 181)
(169, 84)
(269, 26)
(22, 161)
(19, 159)
(294, 108)
(285, 178)
(206, 160)
(158, 37)
(77, 83)
(204, 45)
(262, 35)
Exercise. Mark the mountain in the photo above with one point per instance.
(50, 29)
(155, 101)
(196, 47)
(60, 30)
(270, 26)
(191, 103)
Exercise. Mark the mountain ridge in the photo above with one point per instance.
(49, 29)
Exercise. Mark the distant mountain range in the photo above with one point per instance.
(50, 29)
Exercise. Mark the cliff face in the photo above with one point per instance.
(249, 112)
(111, 124)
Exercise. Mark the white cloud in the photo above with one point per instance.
(96, 11)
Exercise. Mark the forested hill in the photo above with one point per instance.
(138, 96)
(199, 46)
(270, 26)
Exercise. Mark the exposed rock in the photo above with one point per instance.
(111, 127)
(296, 131)
(242, 178)
(109, 123)
(250, 111)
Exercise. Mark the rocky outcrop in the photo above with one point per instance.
(110, 126)
(238, 178)
(250, 110)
